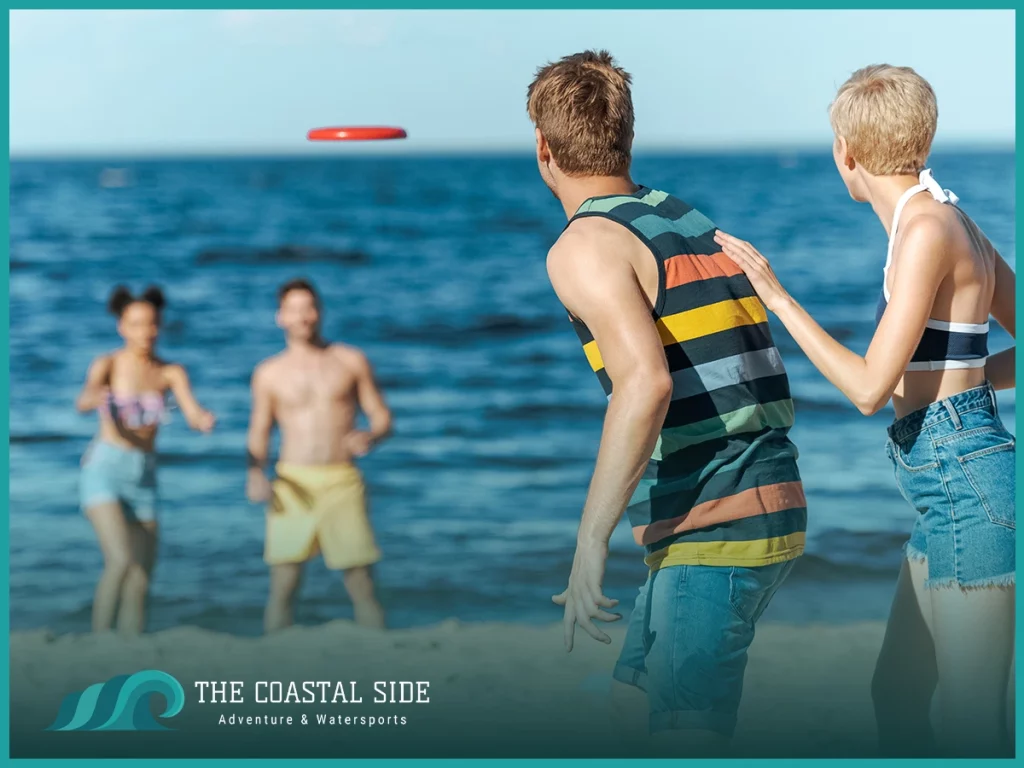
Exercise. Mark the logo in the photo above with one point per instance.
(121, 704)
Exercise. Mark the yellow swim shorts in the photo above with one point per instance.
(319, 508)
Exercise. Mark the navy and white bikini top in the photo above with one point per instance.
(944, 345)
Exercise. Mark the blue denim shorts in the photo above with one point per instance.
(955, 463)
(687, 640)
(111, 473)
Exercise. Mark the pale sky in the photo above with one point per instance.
(169, 82)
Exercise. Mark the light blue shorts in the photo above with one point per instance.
(955, 463)
(687, 640)
(111, 473)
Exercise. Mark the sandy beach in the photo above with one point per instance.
(495, 690)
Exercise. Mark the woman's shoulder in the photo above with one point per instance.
(171, 372)
(104, 361)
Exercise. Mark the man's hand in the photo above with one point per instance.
(583, 598)
(359, 443)
(257, 486)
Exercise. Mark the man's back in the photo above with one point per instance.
(722, 487)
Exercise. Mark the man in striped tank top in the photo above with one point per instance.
(695, 446)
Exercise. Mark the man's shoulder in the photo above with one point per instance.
(270, 366)
(346, 353)
(591, 235)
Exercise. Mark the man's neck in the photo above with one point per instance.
(574, 191)
(306, 346)
(140, 355)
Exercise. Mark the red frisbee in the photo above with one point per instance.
(356, 133)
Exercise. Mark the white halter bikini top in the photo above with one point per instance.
(943, 345)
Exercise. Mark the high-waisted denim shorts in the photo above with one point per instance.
(955, 464)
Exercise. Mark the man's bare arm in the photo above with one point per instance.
(261, 422)
(597, 284)
(599, 287)
(371, 400)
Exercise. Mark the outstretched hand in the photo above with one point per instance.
(584, 599)
(204, 421)
(756, 268)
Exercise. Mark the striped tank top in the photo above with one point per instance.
(722, 487)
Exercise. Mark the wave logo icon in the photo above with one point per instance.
(121, 704)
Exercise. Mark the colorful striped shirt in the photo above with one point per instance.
(722, 487)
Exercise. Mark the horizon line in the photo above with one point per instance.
(447, 150)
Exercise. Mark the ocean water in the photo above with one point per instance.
(434, 266)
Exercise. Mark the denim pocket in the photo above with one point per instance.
(990, 471)
(918, 457)
(744, 591)
(750, 589)
(897, 467)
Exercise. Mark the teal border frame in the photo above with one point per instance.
(5, 702)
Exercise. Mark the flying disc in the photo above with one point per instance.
(356, 133)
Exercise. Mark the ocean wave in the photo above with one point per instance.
(483, 328)
(546, 411)
(282, 254)
(40, 438)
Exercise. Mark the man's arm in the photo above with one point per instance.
(1000, 369)
(597, 284)
(371, 400)
(261, 422)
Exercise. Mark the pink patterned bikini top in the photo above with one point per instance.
(136, 411)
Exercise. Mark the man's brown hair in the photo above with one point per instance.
(583, 107)
(298, 284)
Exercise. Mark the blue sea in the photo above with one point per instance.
(434, 266)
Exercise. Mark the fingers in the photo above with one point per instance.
(605, 616)
(606, 602)
(734, 247)
(588, 626)
(568, 627)
(559, 599)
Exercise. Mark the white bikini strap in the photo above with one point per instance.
(925, 181)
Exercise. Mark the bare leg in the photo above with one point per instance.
(974, 634)
(368, 611)
(689, 743)
(630, 710)
(1011, 705)
(115, 543)
(906, 673)
(135, 592)
(284, 583)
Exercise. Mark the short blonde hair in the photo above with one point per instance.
(887, 116)
(584, 109)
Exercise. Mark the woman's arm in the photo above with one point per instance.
(867, 381)
(1000, 367)
(97, 385)
(197, 417)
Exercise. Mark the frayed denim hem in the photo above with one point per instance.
(1006, 581)
(913, 555)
